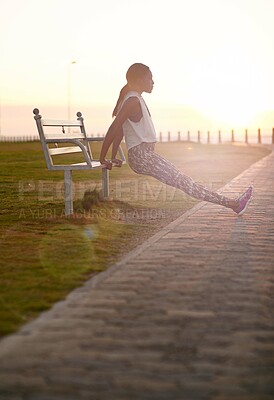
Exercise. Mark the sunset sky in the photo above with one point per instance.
(212, 60)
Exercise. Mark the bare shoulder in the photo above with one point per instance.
(132, 101)
(131, 109)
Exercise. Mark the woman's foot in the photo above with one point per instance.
(243, 201)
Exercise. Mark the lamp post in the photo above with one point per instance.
(69, 87)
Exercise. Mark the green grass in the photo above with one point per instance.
(44, 255)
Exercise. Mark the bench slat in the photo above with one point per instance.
(60, 135)
(77, 167)
(60, 122)
(65, 150)
(94, 164)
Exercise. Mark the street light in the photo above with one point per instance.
(69, 87)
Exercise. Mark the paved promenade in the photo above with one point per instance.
(189, 315)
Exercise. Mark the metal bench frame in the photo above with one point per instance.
(79, 143)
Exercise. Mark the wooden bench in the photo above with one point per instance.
(55, 132)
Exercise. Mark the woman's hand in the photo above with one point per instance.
(107, 163)
(117, 162)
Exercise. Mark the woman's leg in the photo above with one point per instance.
(143, 160)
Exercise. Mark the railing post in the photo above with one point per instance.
(160, 137)
(272, 135)
(188, 136)
(208, 137)
(232, 136)
(168, 136)
(259, 135)
(219, 137)
(179, 136)
(246, 136)
(199, 137)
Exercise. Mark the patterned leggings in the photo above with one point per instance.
(143, 160)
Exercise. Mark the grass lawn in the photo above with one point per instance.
(44, 255)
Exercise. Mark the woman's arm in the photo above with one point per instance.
(109, 138)
(115, 146)
(115, 132)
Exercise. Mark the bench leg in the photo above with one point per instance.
(105, 182)
(68, 192)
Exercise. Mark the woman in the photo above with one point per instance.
(132, 120)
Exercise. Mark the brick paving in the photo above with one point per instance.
(188, 315)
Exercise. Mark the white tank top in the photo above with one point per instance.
(141, 131)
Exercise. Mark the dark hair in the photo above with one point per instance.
(135, 72)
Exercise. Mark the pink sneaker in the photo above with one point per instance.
(243, 201)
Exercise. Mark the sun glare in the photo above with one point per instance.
(212, 56)
(229, 88)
